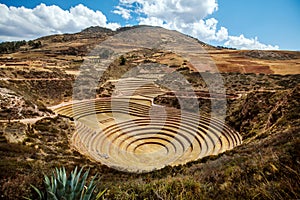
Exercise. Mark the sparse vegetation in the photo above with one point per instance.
(230, 48)
(262, 105)
(10, 47)
(35, 45)
(122, 60)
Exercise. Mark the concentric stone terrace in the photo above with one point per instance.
(127, 131)
(132, 134)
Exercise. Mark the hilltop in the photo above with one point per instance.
(258, 101)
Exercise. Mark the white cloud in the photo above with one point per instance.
(241, 42)
(125, 13)
(206, 30)
(189, 17)
(222, 34)
(23, 23)
(186, 11)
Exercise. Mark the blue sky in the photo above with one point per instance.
(272, 21)
(244, 24)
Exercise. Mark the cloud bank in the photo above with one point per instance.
(188, 17)
(22, 23)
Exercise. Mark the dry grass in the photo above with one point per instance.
(266, 166)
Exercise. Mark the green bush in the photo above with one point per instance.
(58, 186)
(122, 60)
(10, 47)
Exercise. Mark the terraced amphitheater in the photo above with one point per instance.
(126, 130)
(130, 133)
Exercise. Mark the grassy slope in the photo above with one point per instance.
(266, 166)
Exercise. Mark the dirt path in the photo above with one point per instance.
(35, 79)
(26, 120)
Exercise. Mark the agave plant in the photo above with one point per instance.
(59, 187)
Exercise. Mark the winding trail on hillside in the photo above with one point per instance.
(27, 120)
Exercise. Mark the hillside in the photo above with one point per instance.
(159, 115)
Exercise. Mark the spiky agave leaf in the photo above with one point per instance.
(61, 175)
(47, 183)
(79, 184)
(73, 177)
(80, 187)
(53, 184)
(89, 191)
(69, 189)
(58, 186)
(41, 195)
(51, 196)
